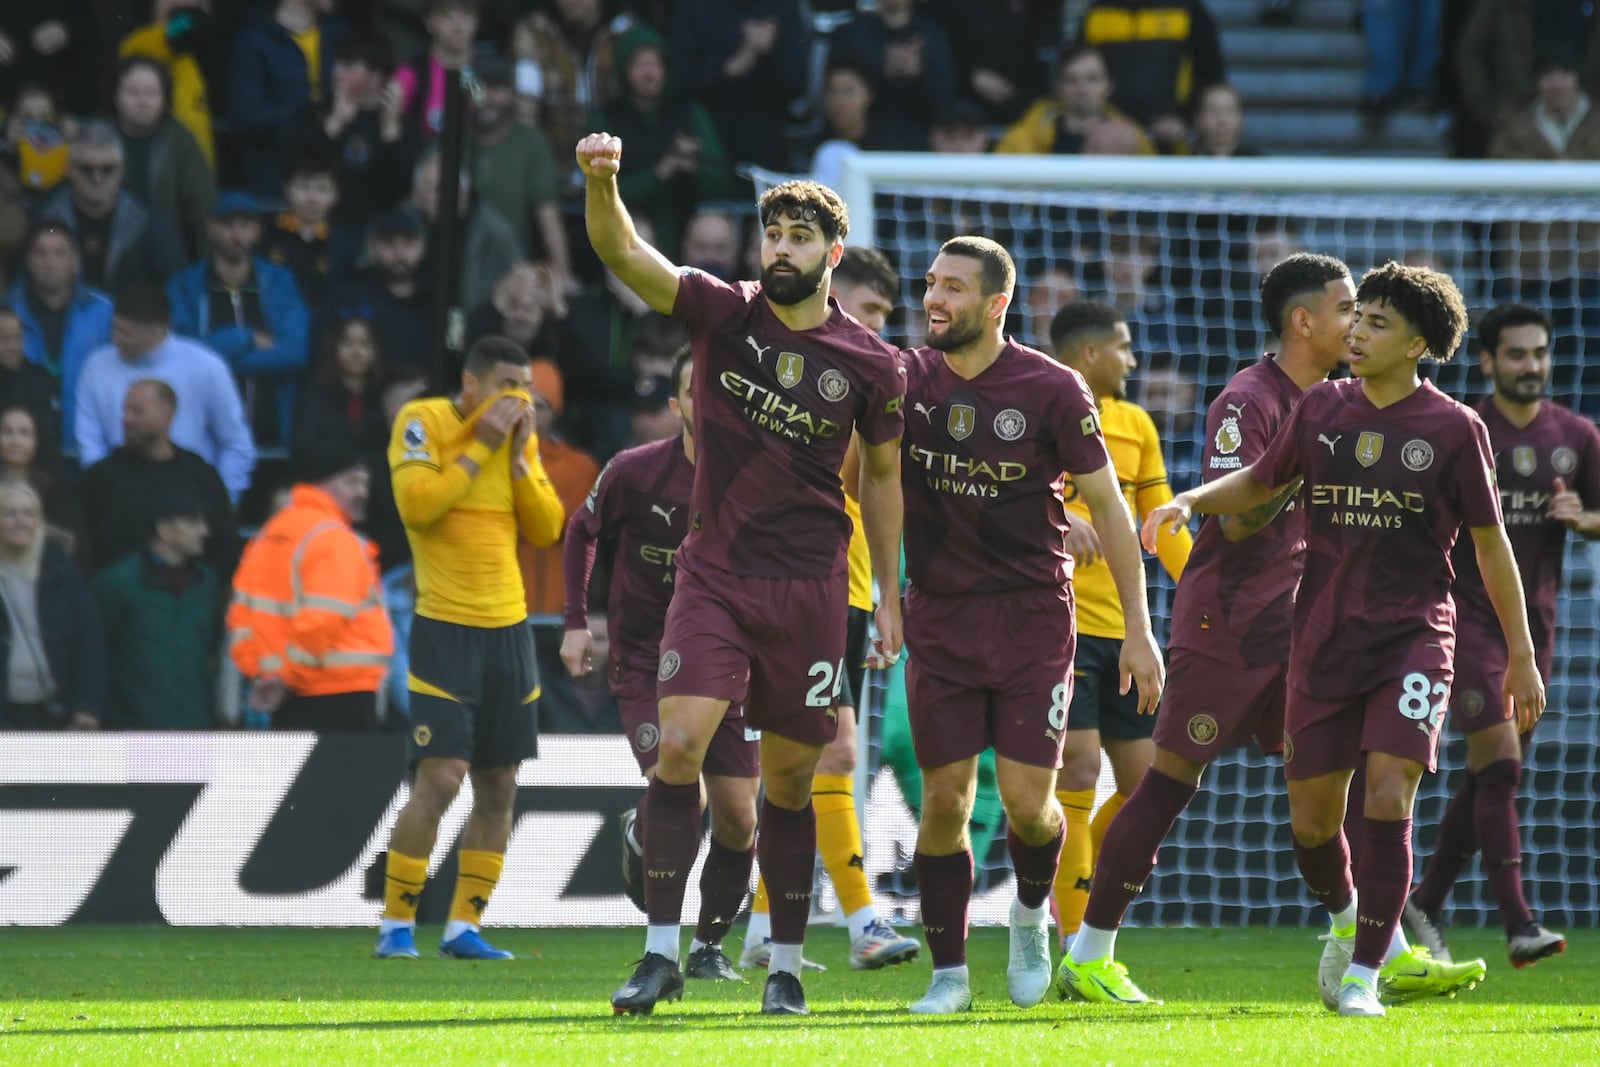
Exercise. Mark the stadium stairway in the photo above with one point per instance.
(1301, 84)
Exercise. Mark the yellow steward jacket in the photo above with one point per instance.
(307, 602)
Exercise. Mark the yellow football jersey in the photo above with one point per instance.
(463, 530)
(1136, 455)
(859, 558)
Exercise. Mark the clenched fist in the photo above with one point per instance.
(600, 155)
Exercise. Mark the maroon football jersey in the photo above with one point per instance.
(1236, 600)
(1557, 444)
(983, 464)
(773, 408)
(1386, 492)
(641, 499)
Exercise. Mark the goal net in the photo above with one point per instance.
(1180, 246)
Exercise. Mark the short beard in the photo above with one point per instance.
(787, 290)
(1512, 391)
(958, 334)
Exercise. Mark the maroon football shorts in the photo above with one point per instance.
(775, 645)
(735, 749)
(1476, 699)
(1401, 717)
(989, 670)
(1209, 707)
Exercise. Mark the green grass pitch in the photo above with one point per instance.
(111, 996)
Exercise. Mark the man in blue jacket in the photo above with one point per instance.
(281, 61)
(249, 311)
(62, 319)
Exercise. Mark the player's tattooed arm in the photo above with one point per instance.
(1238, 527)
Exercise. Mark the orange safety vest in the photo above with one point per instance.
(308, 603)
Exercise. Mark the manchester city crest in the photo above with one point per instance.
(1010, 424)
(1417, 455)
(833, 386)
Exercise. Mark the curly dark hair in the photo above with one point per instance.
(1428, 299)
(808, 201)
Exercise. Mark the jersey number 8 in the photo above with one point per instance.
(1416, 688)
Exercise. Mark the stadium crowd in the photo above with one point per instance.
(218, 226)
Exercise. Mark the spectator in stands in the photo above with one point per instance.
(1403, 39)
(359, 125)
(514, 172)
(27, 384)
(36, 140)
(281, 61)
(28, 457)
(1080, 118)
(960, 131)
(677, 157)
(744, 61)
(566, 69)
(344, 400)
(602, 329)
(178, 32)
(1495, 58)
(52, 650)
(49, 42)
(1561, 123)
(209, 418)
(147, 467)
(847, 123)
(160, 607)
(249, 312)
(164, 166)
(573, 472)
(1048, 292)
(711, 244)
(120, 241)
(308, 625)
(452, 26)
(390, 294)
(908, 57)
(301, 239)
(525, 308)
(1171, 394)
(1219, 123)
(995, 67)
(13, 221)
(488, 247)
(1157, 53)
(651, 418)
(63, 320)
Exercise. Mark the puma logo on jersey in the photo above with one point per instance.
(1323, 438)
(1237, 409)
(925, 411)
(760, 350)
(665, 513)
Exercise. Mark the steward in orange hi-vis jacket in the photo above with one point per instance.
(308, 623)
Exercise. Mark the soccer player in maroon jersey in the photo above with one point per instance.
(992, 428)
(642, 501)
(1392, 470)
(1549, 464)
(781, 376)
(1229, 648)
